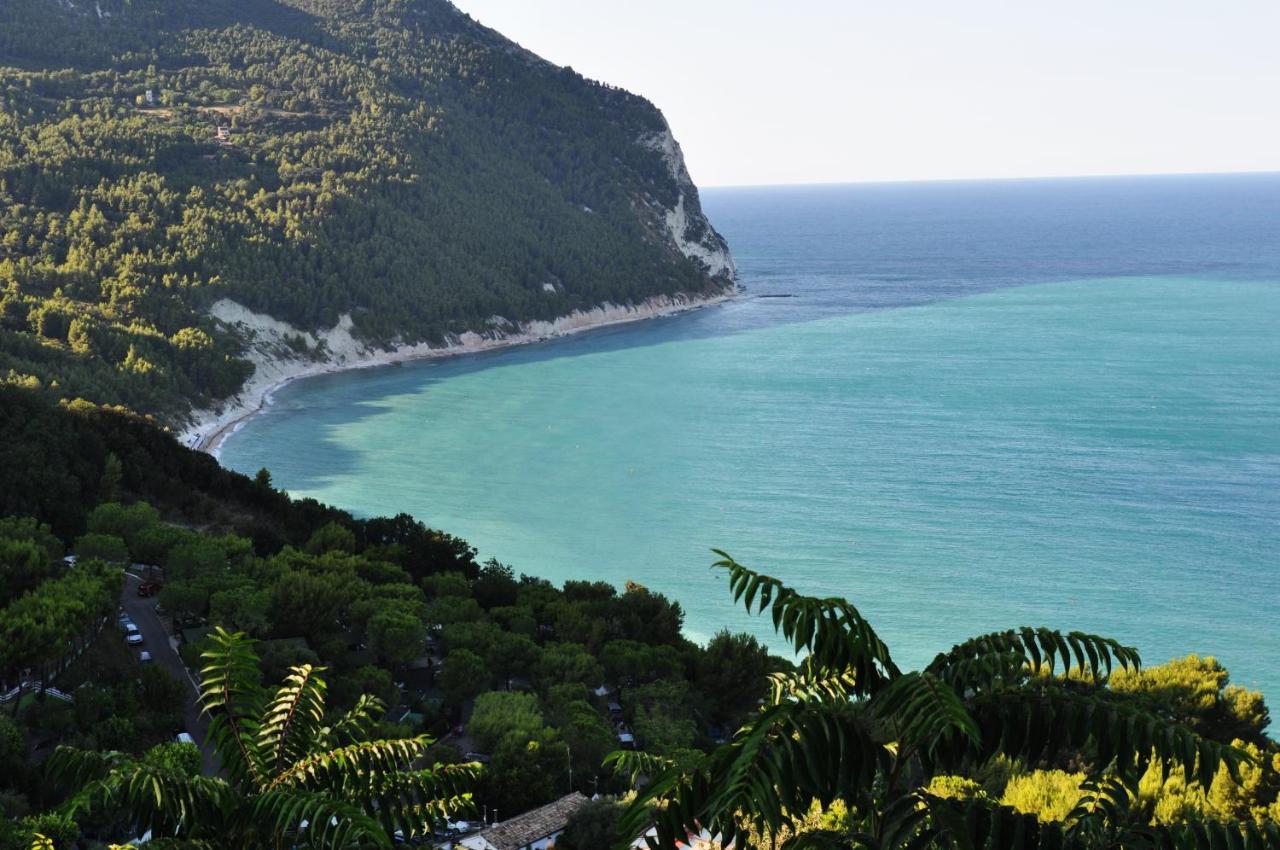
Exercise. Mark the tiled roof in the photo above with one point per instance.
(529, 827)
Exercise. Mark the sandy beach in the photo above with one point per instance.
(277, 364)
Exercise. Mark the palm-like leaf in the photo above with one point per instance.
(971, 662)
(292, 781)
(317, 819)
(231, 695)
(293, 719)
(926, 712)
(833, 633)
(157, 798)
(795, 753)
(1037, 724)
(849, 725)
(356, 724)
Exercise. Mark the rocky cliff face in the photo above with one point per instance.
(688, 229)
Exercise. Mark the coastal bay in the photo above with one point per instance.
(982, 410)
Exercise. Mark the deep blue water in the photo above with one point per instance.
(986, 404)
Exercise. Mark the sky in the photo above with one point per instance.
(824, 91)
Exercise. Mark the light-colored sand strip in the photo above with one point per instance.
(278, 364)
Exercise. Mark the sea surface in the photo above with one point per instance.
(979, 405)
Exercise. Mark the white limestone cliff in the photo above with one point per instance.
(687, 228)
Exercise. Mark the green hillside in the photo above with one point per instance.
(388, 159)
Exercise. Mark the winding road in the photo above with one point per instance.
(163, 653)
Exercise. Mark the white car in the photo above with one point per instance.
(144, 657)
(133, 637)
(184, 738)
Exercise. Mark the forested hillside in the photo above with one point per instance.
(388, 159)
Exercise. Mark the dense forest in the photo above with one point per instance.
(517, 691)
(388, 159)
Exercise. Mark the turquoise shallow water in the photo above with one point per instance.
(1098, 452)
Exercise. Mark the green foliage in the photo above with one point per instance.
(101, 546)
(42, 626)
(331, 537)
(129, 523)
(463, 676)
(589, 736)
(955, 788)
(593, 826)
(564, 663)
(662, 716)
(396, 635)
(733, 673)
(664, 731)
(173, 757)
(24, 564)
(1050, 795)
(13, 748)
(495, 586)
(510, 654)
(525, 770)
(499, 714)
(290, 774)
(242, 607)
(22, 529)
(1197, 690)
(897, 749)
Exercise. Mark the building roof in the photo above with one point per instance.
(527, 828)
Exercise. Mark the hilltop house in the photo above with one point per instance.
(533, 830)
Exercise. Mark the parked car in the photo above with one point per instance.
(144, 657)
(148, 588)
(184, 738)
(133, 637)
(126, 624)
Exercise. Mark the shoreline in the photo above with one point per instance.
(209, 429)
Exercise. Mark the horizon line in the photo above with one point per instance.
(1004, 179)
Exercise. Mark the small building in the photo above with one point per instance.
(222, 135)
(535, 830)
(150, 97)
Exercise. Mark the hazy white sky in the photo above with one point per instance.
(768, 91)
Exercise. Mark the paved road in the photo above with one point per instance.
(156, 641)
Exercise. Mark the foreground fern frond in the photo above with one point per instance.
(1036, 724)
(290, 781)
(831, 631)
(1035, 648)
(848, 725)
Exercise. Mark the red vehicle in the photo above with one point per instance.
(148, 588)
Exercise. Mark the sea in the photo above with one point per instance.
(962, 406)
